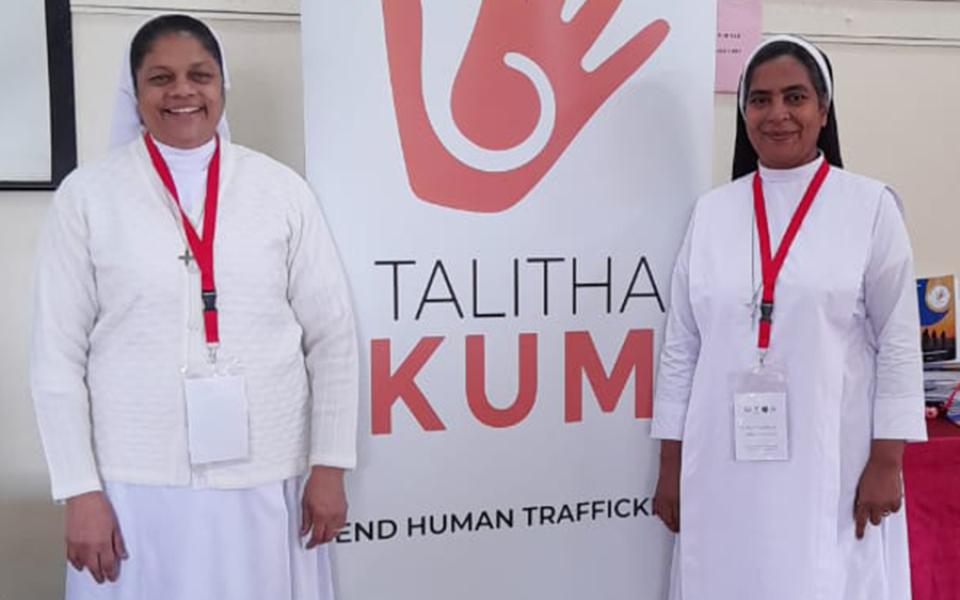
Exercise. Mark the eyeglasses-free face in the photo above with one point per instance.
(783, 114)
(180, 91)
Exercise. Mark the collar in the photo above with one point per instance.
(802, 173)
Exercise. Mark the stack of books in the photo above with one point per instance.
(938, 338)
(941, 386)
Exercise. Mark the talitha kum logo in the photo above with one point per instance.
(518, 99)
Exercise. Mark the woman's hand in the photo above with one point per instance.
(666, 500)
(324, 506)
(880, 491)
(93, 536)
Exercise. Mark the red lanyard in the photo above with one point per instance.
(770, 264)
(202, 248)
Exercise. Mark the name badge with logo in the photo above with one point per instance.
(760, 415)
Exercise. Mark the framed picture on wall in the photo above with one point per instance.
(38, 142)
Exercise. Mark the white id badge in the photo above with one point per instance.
(218, 426)
(760, 415)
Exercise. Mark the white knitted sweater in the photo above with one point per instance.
(118, 317)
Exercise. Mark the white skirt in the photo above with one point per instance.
(199, 544)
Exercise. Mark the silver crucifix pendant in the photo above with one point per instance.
(186, 257)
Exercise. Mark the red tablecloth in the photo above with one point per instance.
(931, 473)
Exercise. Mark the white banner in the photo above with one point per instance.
(508, 183)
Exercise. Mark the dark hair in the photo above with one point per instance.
(165, 25)
(744, 155)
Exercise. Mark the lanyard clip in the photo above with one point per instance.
(766, 311)
(209, 300)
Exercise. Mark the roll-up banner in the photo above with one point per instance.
(508, 182)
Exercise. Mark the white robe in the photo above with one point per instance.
(195, 544)
(845, 330)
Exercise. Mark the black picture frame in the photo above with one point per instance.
(63, 127)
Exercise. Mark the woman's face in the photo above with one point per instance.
(783, 115)
(180, 91)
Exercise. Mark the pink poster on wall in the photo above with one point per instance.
(739, 30)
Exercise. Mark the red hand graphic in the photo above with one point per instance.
(496, 106)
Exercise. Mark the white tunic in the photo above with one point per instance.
(845, 332)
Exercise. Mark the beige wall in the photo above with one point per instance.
(898, 73)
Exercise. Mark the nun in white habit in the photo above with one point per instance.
(790, 375)
(194, 360)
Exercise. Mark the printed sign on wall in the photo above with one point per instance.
(739, 31)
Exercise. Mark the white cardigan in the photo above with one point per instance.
(118, 317)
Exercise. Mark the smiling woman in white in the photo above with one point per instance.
(196, 395)
(784, 398)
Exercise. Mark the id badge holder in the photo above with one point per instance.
(760, 414)
(218, 425)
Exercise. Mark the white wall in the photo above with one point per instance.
(898, 74)
(30, 528)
